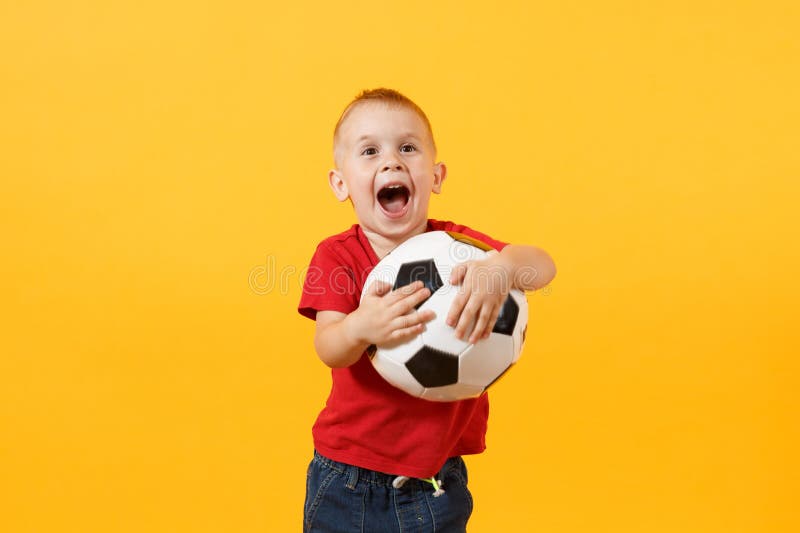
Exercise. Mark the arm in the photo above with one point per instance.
(384, 316)
(333, 342)
(529, 268)
(486, 283)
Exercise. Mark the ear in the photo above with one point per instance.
(439, 174)
(338, 185)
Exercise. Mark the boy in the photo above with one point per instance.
(371, 437)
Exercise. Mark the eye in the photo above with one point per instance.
(369, 151)
(408, 148)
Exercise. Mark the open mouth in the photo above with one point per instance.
(393, 199)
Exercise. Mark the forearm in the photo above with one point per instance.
(530, 268)
(383, 316)
(336, 345)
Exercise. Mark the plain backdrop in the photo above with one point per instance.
(163, 185)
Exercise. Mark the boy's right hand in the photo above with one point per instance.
(387, 316)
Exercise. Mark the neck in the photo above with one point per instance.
(383, 244)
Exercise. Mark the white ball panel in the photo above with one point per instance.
(459, 391)
(454, 254)
(488, 358)
(400, 352)
(459, 252)
(383, 272)
(431, 241)
(417, 248)
(397, 374)
(437, 333)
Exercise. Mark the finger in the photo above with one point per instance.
(480, 324)
(484, 324)
(492, 322)
(456, 308)
(427, 315)
(401, 292)
(411, 301)
(412, 319)
(379, 288)
(466, 321)
(404, 334)
(457, 274)
(411, 324)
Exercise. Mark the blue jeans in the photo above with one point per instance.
(345, 498)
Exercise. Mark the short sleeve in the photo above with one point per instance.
(329, 285)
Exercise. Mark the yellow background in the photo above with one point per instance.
(163, 171)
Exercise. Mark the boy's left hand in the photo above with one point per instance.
(485, 284)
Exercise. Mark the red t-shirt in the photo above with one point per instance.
(366, 421)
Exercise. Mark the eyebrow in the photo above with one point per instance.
(405, 135)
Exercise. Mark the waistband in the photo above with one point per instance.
(357, 474)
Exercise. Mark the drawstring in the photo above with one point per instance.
(399, 481)
(436, 485)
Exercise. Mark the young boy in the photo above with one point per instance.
(370, 438)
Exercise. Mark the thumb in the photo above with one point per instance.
(379, 288)
(457, 274)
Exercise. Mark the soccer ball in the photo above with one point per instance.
(435, 365)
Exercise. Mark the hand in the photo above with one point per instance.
(484, 288)
(387, 316)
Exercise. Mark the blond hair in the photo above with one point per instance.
(386, 96)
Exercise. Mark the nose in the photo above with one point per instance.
(391, 165)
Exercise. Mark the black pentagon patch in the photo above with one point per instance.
(433, 368)
(424, 271)
(507, 318)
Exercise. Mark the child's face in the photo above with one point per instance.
(386, 166)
